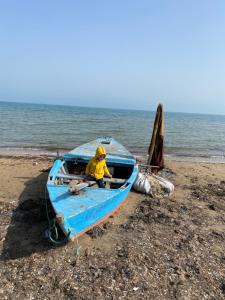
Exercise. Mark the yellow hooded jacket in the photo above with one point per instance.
(97, 168)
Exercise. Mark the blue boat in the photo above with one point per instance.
(78, 213)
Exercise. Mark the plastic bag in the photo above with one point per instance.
(142, 184)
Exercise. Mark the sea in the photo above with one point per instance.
(41, 129)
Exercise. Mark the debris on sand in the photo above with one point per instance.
(95, 232)
(169, 248)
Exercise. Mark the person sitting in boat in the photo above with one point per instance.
(97, 168)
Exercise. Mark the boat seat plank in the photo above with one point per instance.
(70, 176)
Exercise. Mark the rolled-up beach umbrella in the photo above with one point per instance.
(156, 147)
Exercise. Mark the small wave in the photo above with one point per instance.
(30, 152)
(140, 155)
(197, 158)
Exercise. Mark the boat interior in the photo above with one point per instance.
(75, 170)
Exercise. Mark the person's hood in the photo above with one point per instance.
(100, 151)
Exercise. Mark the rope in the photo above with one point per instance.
(52, 227)
(78, 246)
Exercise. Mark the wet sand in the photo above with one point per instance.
(153, 248)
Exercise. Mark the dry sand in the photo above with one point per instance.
(154, 248)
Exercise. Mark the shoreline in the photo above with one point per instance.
(142, 158)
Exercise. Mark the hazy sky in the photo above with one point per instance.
(109, 53)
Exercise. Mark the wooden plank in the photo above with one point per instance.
(76, 188)
(148, 166)
(70, 176)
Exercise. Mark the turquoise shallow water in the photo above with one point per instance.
(37, 128)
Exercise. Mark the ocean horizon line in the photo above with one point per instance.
(110, 108)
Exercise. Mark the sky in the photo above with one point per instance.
(114, 53)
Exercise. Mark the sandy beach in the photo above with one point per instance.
(153, 248)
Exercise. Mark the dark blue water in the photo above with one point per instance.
(46, 128)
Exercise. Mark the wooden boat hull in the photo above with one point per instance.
(79, 213)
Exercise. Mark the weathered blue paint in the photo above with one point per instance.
(115, 151)
(82, 211)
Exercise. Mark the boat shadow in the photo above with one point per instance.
(26, 231)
